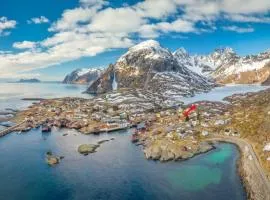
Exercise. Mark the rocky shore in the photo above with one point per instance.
(164, 132)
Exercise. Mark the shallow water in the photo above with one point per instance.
(117, 171)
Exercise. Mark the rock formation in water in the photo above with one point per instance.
(32, 80)
(83, 76)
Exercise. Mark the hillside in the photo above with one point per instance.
(150, 67)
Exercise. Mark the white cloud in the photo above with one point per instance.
(6, 24)
(116, 21)
(238, 29)
(247, 18)
(245, 7)
(156, 8)
(94, 27)
(24, 45)
(38, 20)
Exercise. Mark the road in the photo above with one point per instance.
(255, 175)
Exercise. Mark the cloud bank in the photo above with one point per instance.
(94, 27)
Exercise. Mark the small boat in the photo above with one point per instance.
(26, 129)
(46, 128)
(135, 138)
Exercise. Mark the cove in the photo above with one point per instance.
(118, 170)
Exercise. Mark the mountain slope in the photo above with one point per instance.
(247, 69)
(205, 64)
(83, 76)
(225, 66)
(153, 68)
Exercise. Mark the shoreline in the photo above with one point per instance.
(253, 177)
(254, 180)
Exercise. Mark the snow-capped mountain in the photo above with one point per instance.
(153, 68)
(247, 69)
(225, 66)
(205, 64)
(83, 76)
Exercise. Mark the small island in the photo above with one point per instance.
(32, 80)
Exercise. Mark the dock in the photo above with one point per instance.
(10, 129)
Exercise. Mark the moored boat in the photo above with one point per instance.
(46, 128)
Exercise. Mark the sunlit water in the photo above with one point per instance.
(218, 93)
(12, 93)
(117, 171)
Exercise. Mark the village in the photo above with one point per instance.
(165, 131)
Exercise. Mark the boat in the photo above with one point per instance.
(46, 128)
(26, 129)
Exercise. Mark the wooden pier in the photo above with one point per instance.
(10, 129)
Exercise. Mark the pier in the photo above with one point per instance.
(10, 129)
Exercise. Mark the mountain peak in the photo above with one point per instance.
(181, 52)
(149, 49)
(224, 50)
(146, 44)
(83, 75)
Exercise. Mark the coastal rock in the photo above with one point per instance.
(103, 141)
(153, 152)
(52, 159)
(85, 149)
(166, 150)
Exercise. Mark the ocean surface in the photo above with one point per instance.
(12, 93)
(218, 93)
(118, 170)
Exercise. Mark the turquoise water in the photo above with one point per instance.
(117, 171)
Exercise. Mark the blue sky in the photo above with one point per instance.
(48, 39)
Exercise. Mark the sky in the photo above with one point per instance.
(47, 39)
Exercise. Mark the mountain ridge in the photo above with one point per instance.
(83, 76)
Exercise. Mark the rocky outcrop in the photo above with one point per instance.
(52, 159)
(83, 76)
(150, 67)
(32, 80)
(85, 149)
(166, 150)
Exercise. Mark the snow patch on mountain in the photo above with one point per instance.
(152, 47)
(150, 67)
(83, 75)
